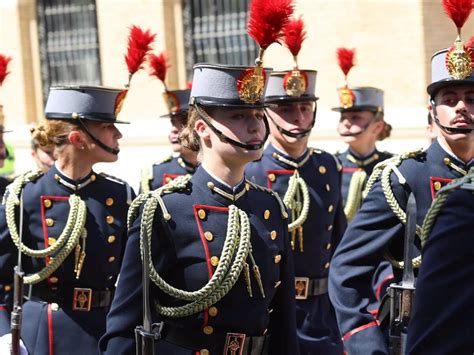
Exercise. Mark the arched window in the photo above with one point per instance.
(69, 43)
(215, 31)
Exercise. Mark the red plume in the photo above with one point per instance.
(295, 35)
(189, 85)
(139, 45)
(345, 57)
(470, 42)
(159, 65)
(4, 60)
(458, 10)
(267, 19)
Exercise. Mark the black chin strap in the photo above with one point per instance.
(291, 134)
(447, 129)
(223, 137)
(357, 133)
(97, 141)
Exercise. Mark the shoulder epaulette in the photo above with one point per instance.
(16, 186)
(122, 182)
(257, 187)
(336, 159)
(164, 160)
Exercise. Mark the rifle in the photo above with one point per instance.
(146, 334)
(401, 295)
(16, 315)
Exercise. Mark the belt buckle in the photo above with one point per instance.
(82, 299)
(301, 288)
(234, 344)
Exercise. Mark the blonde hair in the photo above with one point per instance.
(387, 127)
(188, 136)
(52, 133)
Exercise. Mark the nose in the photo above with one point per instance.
(461, 106)
(255, 121)
(118, 134)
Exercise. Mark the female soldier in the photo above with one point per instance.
(69, 226)
(220, 260)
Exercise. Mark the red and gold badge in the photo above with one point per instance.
(119, 101)
(172, 101)
(459, 61)
(346, 97)
(295, 83)
(251, 85)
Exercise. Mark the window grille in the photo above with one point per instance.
(69, 43)
(215, 31)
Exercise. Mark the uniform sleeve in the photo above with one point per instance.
(350, 278)
(8, 258)
(442, 320)
(127, 307)
(283, 320)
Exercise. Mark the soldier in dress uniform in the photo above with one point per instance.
(69, 224)
(163, 171)
(310, 181)
(377, 231)
(442, 321)
(222, 266)
(361, 125)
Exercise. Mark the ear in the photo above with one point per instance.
(430, 108)
(378, 127)
(76, 138)
(202, 129)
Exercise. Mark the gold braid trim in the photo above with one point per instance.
(292, 200)
(383, 170)
(66, 242)
(437, 204)
(235, 251)
(354, 195)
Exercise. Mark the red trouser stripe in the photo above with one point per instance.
(50, 330)
(359, 329)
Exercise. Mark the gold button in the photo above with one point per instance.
(322, 169)
(278, 283)
(53, 280)
(273, 235)
(328, 188)
(7, 288)
(54, 307)
(376, 156)
(167, 179)
(247, 187)
(271, 177)
(275, 155)
(56, 177)
(111, 239)
(47, 203)
(201, 214)
(111, 259)
(51, 241)
(284, 215)
(266, 214)
(328, 246)
(330, 208)
(447, 161)
(326, 265)
(49, 222)
(93, 177)
(109, 201)
(211, 185)
(277, 258)
(214, 261)
(213, 311)
(209, 237)
(204, 352)
(330, 227)
(208, 330)
(437, 185)
(109, 219)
